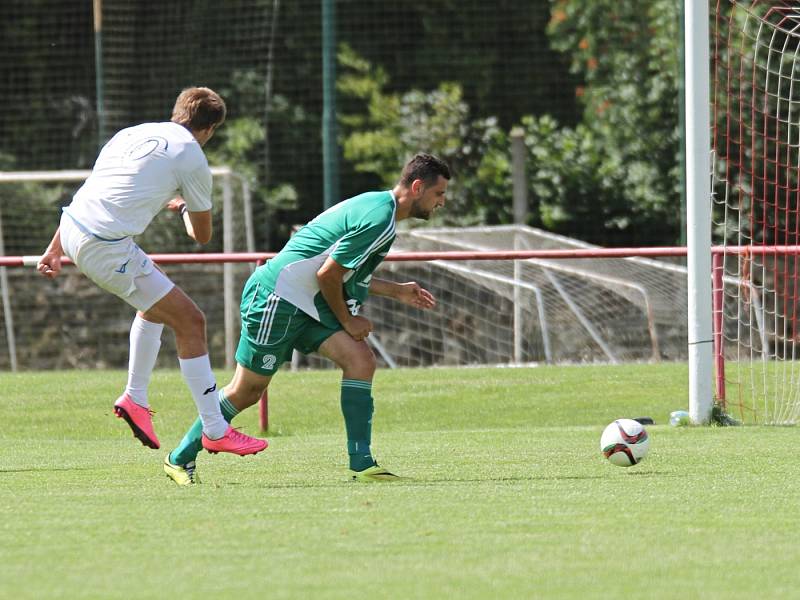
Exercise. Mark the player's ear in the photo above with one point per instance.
(417, 187)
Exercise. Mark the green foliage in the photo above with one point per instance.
(382, 130)
(613, 178)
(238, 138)
(240, 144)
(30, 212)
(468, 75)
(242, 141)
(627, 55)
(567, 177)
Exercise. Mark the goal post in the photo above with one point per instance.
(698, 209)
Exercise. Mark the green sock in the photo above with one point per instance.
(357, 408)
(192, 444)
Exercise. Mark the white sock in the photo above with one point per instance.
(201, 382)
(145, 343)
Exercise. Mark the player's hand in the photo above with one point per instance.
(413, 294)
(176, 204)
(49, 265)
(358, 328)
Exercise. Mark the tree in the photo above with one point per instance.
(612, 178)
(385, 129)
(626, 55)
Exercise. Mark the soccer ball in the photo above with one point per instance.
(624, 442)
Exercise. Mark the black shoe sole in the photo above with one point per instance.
(137, 433)
(217, 452)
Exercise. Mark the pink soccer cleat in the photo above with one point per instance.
(139, 420)
(235, 442)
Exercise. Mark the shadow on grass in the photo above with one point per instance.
(412, 482)
(47, 469)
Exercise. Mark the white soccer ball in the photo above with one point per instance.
(624, 442)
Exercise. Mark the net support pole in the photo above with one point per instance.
(98, 77)
(518, 332)
(249, 230)
(330, 147)
(698, 217)
(263, 402)
(520, 208)
(519, 180)
(8, 318)
(517, 305)
(719, 346)
(229, 300)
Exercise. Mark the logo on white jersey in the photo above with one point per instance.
(142, 148)
(123, 268)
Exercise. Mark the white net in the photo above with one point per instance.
(488, 312)
(756, 144)
(543, 311)
(70, 322)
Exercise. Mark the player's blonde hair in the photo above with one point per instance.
(199, 108)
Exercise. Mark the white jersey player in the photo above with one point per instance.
(139, 172)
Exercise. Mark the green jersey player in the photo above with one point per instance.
(308, 298)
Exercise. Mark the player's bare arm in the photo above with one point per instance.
(330, 278)
(410, 293)
(198, 224)
(49, 264)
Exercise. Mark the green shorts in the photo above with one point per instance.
(272, 328)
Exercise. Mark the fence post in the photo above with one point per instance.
(517, 305)
(520, 209)
(9, 319)
(229, 301)
(518, 178)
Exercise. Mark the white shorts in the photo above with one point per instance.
(119, 267)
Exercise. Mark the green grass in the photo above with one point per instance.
(510, 497)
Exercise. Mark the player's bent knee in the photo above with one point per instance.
(360, 364)
(198, 320)
(190, 332)
(250, 394)
(192, 321)
(370, 362)
(243, 398)
(178, 312)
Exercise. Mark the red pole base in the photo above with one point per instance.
(263, 412)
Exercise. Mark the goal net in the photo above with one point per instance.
(489, 312)
(70, 322)
(755, 119)
(576, 310)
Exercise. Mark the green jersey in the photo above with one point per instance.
(356, 233)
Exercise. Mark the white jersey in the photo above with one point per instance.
(137, 172)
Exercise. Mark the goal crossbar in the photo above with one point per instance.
(652, 252)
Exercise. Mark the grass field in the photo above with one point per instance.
(508, 496)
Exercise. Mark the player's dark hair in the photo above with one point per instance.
(426, 167)
(199, 108)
